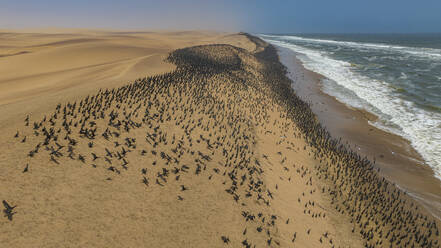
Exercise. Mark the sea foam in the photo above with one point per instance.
(396, 115)
(432, 53)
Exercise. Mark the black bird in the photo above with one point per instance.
(81, 158)
(183, 188)
(246, 244)
(157, 182)
(108, 152)
(125, 163)
(59, 146)
(145, 181)
(95, 157)
(54, 160)
(26, 168)
(270, 194)
(269, 241)
(225, 239)
(108, 160)
(8, 210)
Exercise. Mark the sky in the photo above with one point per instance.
(255, 16)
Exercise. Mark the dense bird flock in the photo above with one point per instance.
(206, 119)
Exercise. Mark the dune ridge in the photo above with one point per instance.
(220, 152)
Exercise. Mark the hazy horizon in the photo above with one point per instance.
(251, 16)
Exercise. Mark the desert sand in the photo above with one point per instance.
(58, 64)
(210, 147)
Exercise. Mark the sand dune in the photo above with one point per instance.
(42, 67)
(215, 152)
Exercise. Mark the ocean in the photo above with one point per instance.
(397, 77)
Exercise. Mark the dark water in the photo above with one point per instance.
(395, 76)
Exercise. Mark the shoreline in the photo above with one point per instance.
(397, 160)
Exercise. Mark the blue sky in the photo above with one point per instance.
(268, 16)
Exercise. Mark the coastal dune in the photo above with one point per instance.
(57, 65)
(211, 147)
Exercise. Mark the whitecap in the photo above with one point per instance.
(432, 53)
(396, 115)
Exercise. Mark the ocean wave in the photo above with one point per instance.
(396, 115)
(403, 75)
(416, 51)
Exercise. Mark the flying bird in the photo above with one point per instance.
(8, 210)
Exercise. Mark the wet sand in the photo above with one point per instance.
(397, 160)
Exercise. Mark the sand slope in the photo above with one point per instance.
(64, 201)
(213, 154)
(41, 68)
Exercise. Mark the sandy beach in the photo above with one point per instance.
(191, 139)
(397, 159)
